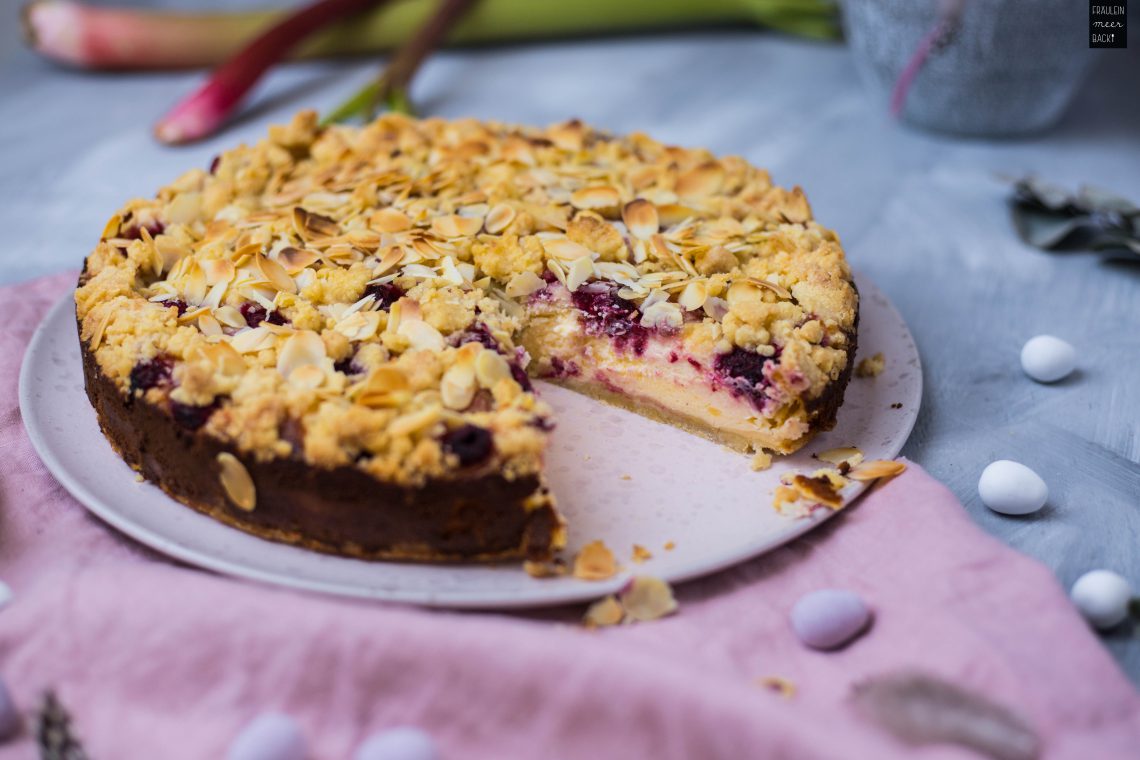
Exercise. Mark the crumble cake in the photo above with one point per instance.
(328, 338)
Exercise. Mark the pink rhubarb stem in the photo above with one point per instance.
(208, 107)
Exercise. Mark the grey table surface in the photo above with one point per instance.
(922, 214)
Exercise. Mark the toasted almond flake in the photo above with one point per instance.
(421, 336)
(648, 598)
(293, 260)
(557, 270)
(581, 270)
(276, 274)
(640, 217)
(694, 295)
(595, 197)
(762, 460)
(779, 291)
(457, 387)
(111, 229)
(230, 316)
(595, 562)
(213, 299)
(604, 612)
(876, 469)
(778, 685)
(717, 308)
(490, 368)
(310, 226)
(449, 271)
(524, 283)
(849, 454)
(359, 325)
(670, 546)
(566, 250)
(784, 495)
(391, 258)
(390, 220)
(819, 489)
(209, 326)
(700, 181)
(302, 348)
(254, 339)
(641, 554)
(455, 226)
(184, 208)
(218, 270)
(499, 218)
(416, 421)
(236, 482)
(366, 240)
(101, 327)
(309, 376)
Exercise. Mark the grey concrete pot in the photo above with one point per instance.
(1012, 68)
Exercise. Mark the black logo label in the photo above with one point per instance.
(1108, 24)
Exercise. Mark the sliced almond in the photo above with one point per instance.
(640, 217)
(236, 482)
(595, 562)
(876, 469)
(416, 421)
(849, 454)
(310, 226)
(499, 218)
(490, 368)
(781, 292)
(421, 335)
(663, 314)
(390, 220)
(218, 270)
(276, 274)
(694, 295)
(579, 271)
(300, 349)
(524, 283)
(457, 387)
(701, 181)
(566, 250)
(604, 612)
(209, 326)
(455, 226)
(253, 340)
(647, 598)
(595, 197)
(295, 259)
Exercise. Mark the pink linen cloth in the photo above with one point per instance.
(155, 659)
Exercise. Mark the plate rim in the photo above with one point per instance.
(540, 598)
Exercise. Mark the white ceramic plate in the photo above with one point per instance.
(618, 477)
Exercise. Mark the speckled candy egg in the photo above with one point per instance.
(9, 714)
(1048, 359)
(1102, 597)
(829, 618)
(405, 743)
(269, 736)
(1012, 488)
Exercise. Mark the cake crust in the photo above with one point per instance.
(336, 322)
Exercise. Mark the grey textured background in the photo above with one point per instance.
(922, 214)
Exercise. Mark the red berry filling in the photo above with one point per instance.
(387, 293)
(742, 372)
(604, 312)
(255, 314)
(151, 373)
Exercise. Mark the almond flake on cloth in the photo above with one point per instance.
(643, 599)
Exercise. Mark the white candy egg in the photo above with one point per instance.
(269, 736)
(9, 714)
(1102, 597)
(5, 594)
(1047, 359)
(829, 618)
(1012, 488)
(404, 743)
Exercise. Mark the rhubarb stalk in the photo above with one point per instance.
(122, 38)
(204, 111)
(391, 87)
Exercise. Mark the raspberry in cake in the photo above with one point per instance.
(346, 321)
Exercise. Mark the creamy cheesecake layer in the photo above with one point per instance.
(669, 376)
